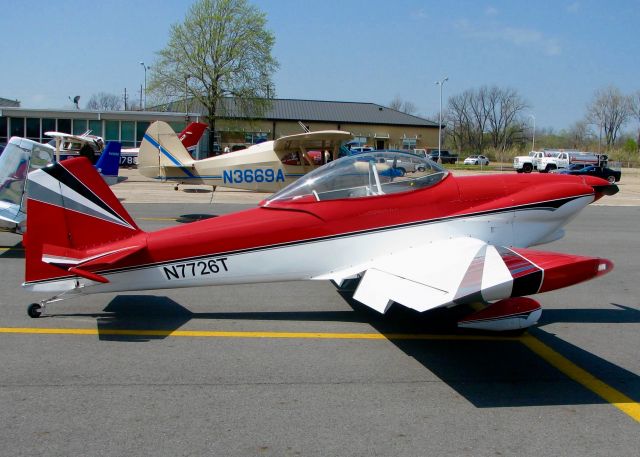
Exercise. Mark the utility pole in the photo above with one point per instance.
(125, 98)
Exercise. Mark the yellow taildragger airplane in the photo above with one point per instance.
(264, 167)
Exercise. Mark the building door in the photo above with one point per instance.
(380, 144)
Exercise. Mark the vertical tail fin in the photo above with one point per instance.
(161, 148)
(191, 135)
(109, 162)
(72, 215)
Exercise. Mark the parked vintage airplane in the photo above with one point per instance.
(67, 145)
(425, 240)
(22, 156)
(263, 167)
(189, 137)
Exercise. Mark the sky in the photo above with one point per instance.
(556, 54)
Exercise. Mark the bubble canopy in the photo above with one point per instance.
(363, 175)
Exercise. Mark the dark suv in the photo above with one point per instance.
(445, 156)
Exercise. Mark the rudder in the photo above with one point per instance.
(71, 213)
(161, 148)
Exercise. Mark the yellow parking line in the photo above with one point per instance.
(223, 334)
(573, 371)
(172, 219)
(564, 365)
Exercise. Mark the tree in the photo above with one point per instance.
(578, 135)
(404, 106)
(609, 110)
(486, 114)
(634, 105)
(104, 101)
(222, 50)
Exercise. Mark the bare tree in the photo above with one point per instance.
(578, 135)
(404, 106)
(609, 110)
(490, 112)
(634, 105)
(105, 102)
(221, 56)
(504, 106)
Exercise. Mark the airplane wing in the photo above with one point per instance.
(464, 270)
(311, 140)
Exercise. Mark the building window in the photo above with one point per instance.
(33, 128)
(255, 137)
(48, 125)
(409, 143)
(64, 125)
(112, 131)
(177, 126)
(3, 129)
(359, 140)
(141, 129)
(79, 126)
(127, 133)
(95, 127)
(16, 126)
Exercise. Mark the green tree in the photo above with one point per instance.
(220, 56)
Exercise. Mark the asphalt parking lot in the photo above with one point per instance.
(298, 369)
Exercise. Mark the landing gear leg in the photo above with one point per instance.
(35, 310)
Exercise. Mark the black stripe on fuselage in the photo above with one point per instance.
(551, 205)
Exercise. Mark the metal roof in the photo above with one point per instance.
(321, 111)
(343, 112)
(280, 110)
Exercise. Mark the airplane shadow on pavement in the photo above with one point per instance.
(489, 372)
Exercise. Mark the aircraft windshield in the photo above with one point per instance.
(362, 175)
(19, 158)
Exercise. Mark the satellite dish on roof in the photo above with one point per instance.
(76, 100)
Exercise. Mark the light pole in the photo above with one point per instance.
(186, 89)
(533, 146)
(440, 83)
(144, 106)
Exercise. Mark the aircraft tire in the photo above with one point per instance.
(34, 310)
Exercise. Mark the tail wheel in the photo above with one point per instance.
(34, 310)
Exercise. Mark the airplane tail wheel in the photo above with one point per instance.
(34, 310)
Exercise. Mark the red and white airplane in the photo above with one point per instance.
(424, 241)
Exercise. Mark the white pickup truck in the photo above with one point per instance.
(526, 164)
(548, 160)
(562, 159)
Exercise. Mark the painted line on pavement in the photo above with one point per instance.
(554, 358)
(237, 334)
(583, 377)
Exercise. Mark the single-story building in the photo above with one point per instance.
(371, 124)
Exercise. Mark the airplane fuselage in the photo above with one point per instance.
(310, 239)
